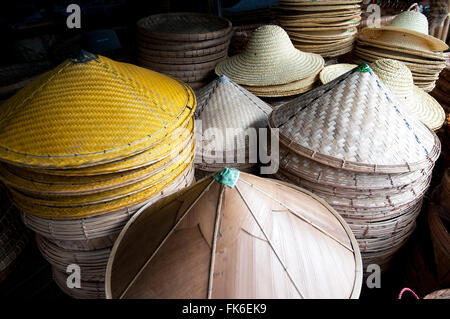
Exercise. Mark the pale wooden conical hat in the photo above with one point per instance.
(236, 235)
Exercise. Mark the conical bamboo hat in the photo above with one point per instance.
(91, 110)
(224, 105)
(235, 235)
(270, 58)
(356, 123)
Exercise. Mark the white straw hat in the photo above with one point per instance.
(270, 58)
(398, 78)
(409, 23)
(331, 72)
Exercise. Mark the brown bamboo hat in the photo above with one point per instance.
(275, 239)
(268, 59)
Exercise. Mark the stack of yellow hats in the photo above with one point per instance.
(88, 143)
(270, 66)
(325, 27)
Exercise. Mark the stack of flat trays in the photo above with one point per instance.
(183, 45)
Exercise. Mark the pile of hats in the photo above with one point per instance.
(13, 236)
(405, 39)
(228, 118)
(86, 145)
(270, 66)
(325, 27)
(235, 235)
(183, 45)
(398, 78)
(353, 143)
(439, 223)
(441, 92)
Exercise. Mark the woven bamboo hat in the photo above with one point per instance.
(268, 59)
(411, 23)
(357, 124)
(274, 239)
(224, 105)
(95, 111)
(398, 78)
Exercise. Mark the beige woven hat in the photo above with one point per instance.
(357, 124)
(270, 58)
(398, 78)
(331, 72)
(410, 22)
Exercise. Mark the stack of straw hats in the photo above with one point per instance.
(235, 235)
(325, 27)
(228, 118)
(184, 45)
(442, 90)
(84, 146)
(13, 235)
(439, 223)
(351, 143)
(270, 66)
(398, 78)
(406, 39)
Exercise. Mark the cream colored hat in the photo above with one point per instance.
(331, 72)
(406, 24)
(269, 59)
(398, 78)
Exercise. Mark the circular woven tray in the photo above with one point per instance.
(142, 54)
(184, 26)
(183, 53)
(180, 67)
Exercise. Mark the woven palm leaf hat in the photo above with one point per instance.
(235, 114)
(398, 78)
(406, 39)
(87, 144)
(324, 27)
(363, 153)
(276, 240)
(183, 45)
(271, 66)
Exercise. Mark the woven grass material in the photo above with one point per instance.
(331, 72)
(283, 90)
(398, 78)
(309, 24)
(357, 124)
(411, 23)
(145, 107)
(269, 59)
(274, 221)
(439, 294)
(224, 105)
(97, 231)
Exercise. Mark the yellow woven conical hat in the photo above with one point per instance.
(269, 59)
(88, 111)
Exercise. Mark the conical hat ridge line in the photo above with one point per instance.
(136, 276)
(283, 264)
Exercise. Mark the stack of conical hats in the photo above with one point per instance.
(405, 39)
(398, 78)
(270, 66)
(353, 143)
(228, 118)
(325, 27)
(184, 45)
(87, 144)
(235, 235)
(13, 235)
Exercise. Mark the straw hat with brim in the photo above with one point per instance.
(398, 78)
(408, 22)
(268, 59)
(331, 72)
(336, 8)
(355, 123)
(281, 90)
